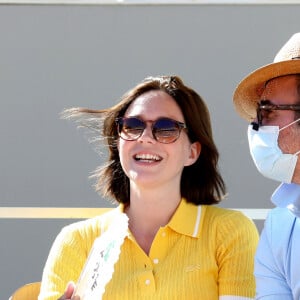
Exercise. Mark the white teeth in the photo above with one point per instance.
(147, 157)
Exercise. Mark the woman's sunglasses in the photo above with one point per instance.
(164, 130)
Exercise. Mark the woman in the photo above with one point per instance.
(162, 169)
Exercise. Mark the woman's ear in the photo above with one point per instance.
(195, 150)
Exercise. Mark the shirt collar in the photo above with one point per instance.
(288, 195)
(186, 219)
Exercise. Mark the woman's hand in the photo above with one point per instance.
(69, 292)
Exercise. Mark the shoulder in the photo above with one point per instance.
(278, 225)
(219, 214)
(87, 229)
(280, 215)
(74, 241)
(231, 233)
(226, 221)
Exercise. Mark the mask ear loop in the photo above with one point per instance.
(286, 126)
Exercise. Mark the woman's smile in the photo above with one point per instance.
(147, 157)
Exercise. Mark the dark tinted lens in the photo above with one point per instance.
(166, 130)
(131, 128)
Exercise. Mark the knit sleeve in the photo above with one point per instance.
(237, 239)
(65, 261)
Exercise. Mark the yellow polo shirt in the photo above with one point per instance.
(204, 252)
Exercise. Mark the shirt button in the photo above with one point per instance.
(163, 234)
(156, 260)
(147, 281)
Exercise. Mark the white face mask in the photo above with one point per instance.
(267, 156)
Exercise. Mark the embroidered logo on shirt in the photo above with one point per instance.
(192, 268)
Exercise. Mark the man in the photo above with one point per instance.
(269, 98)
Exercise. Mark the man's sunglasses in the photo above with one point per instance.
(164, 130)
(264, 109)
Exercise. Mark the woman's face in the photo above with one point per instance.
(147, 162)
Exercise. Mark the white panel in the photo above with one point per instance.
(88, 212)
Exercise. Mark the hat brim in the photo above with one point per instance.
(248, 92)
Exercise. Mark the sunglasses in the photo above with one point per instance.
(164, 130)
(264, 109)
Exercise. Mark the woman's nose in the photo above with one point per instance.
(147, 135)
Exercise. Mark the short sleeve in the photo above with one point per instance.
(237, 240)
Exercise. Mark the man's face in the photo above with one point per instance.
(283, 90)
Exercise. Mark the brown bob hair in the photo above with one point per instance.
(201, 182)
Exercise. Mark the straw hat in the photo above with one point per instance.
(248, 91)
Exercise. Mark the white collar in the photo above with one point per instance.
(288, 195)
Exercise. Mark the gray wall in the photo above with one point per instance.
(54, 57)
